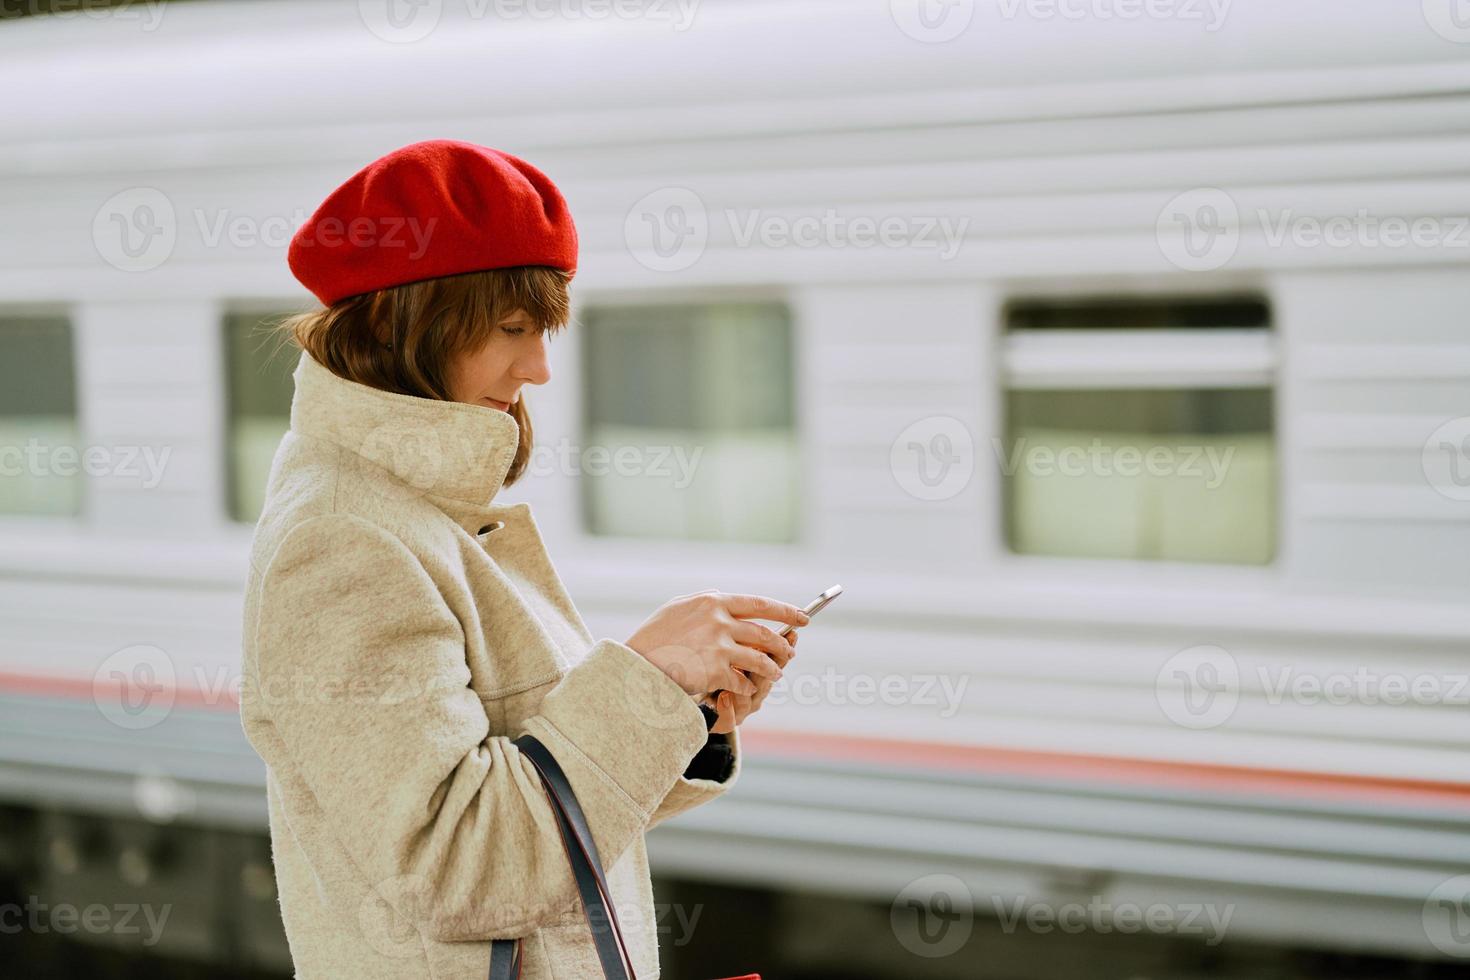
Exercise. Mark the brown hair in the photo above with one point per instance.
(403, 338)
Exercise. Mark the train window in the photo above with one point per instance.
(690, 409)
(1140, 429)
(258, 378)
(40, 455)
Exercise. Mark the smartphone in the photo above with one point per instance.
(814, 607)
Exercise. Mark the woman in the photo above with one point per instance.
(402, 628)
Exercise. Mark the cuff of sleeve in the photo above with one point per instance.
(690, 792)
(631, 721)
(713, 762)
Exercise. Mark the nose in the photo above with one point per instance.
(533, 366)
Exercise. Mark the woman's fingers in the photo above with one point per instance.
(743, 695)
(763, 607)
(759, 637)
(754, 662)
(739, 683)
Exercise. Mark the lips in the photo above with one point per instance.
(503, 406)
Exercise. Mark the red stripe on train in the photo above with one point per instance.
(101, 689)
(1076, 767)
(904, 753)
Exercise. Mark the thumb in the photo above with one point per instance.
(725, 723)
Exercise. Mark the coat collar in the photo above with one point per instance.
(454, 454)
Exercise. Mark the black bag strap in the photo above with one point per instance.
(581, 850)
(505, 959)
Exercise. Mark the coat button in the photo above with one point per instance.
(491, 527)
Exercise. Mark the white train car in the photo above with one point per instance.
(895, 268)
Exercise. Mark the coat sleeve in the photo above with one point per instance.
(703, 780)
(360, 668)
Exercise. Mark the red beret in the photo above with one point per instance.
(430, 209)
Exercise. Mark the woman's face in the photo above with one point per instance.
(515, 355)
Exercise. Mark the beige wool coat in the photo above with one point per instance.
(401, 628)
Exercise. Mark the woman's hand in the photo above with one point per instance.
(735, 708)
(703, 641)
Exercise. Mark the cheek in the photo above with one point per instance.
(475, 374)
(461, 381)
